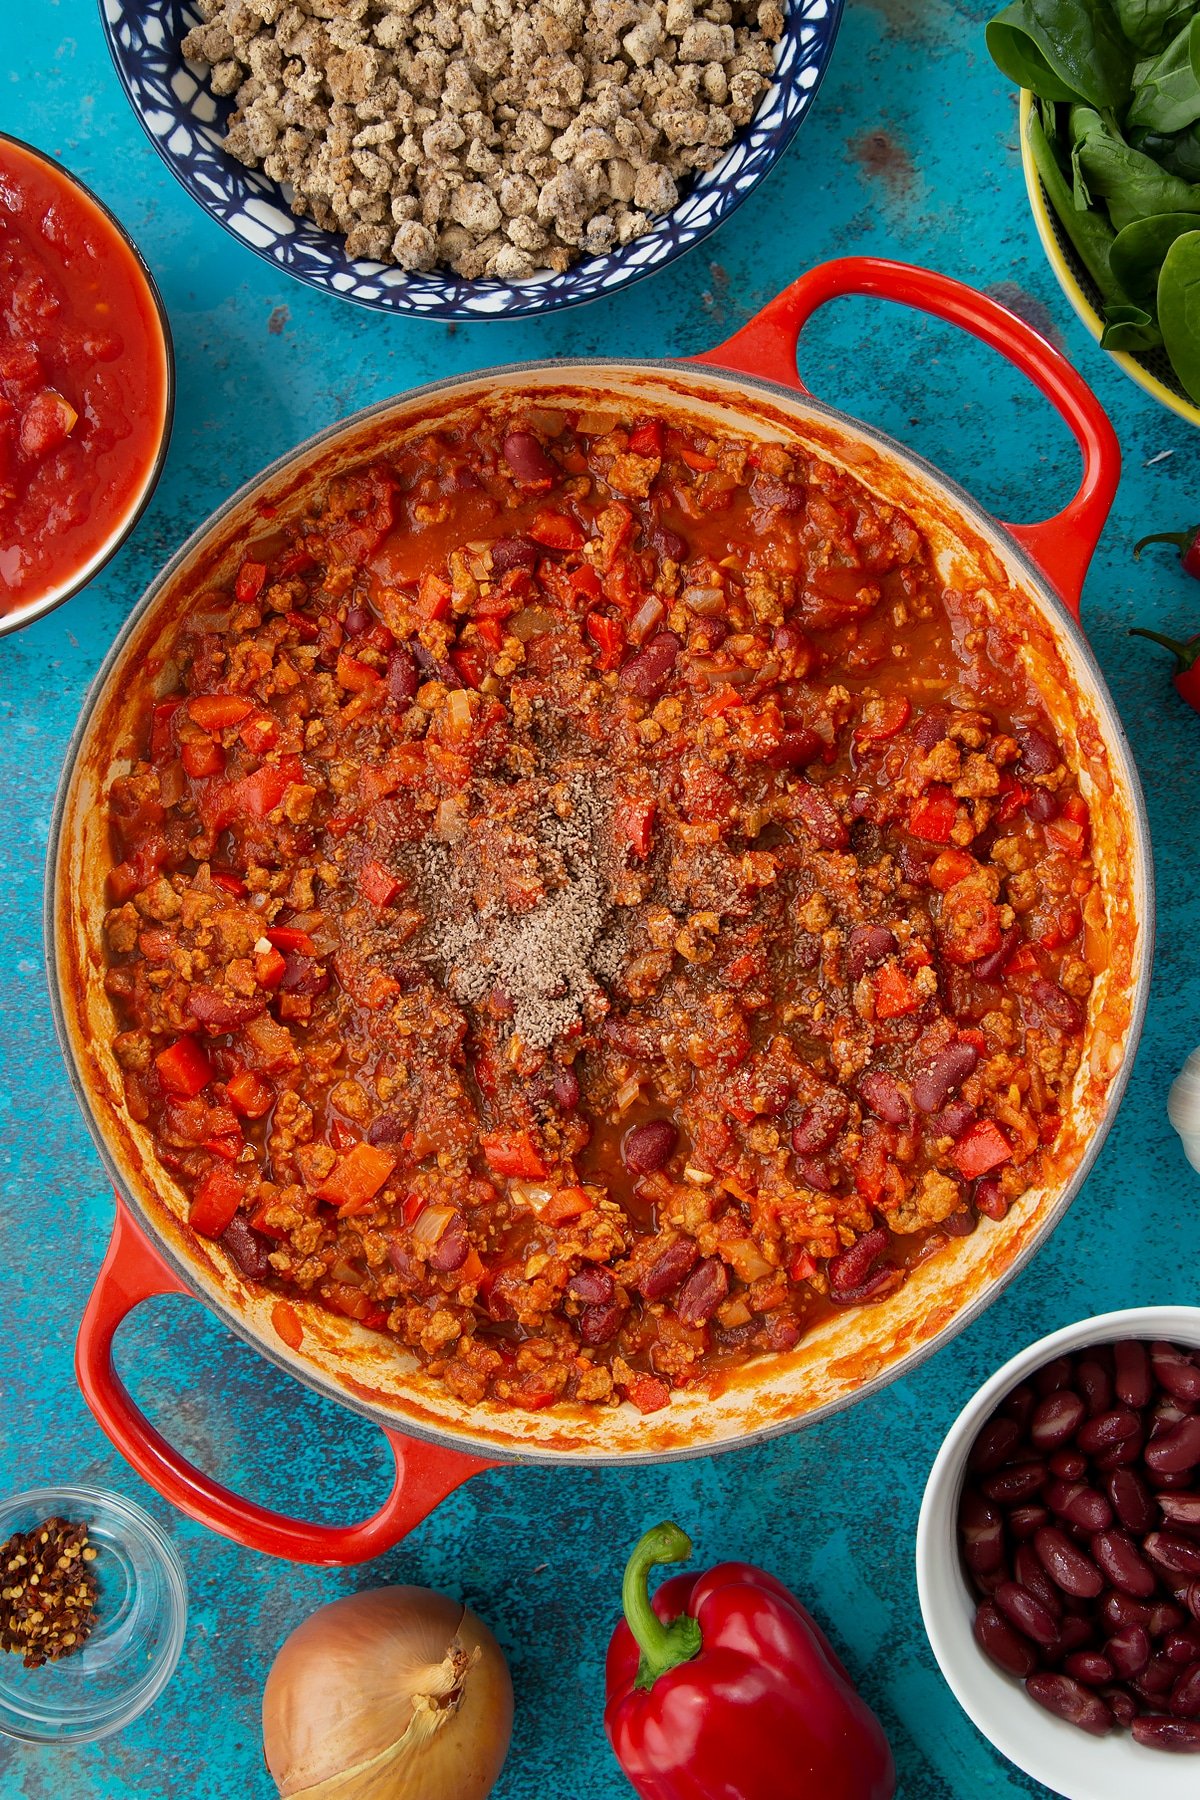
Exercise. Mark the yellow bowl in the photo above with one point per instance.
(1151, 370)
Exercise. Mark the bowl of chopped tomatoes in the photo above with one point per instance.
(539, 963)
(86, 384)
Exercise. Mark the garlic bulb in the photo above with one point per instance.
(1183, 1107)
(392, 1694)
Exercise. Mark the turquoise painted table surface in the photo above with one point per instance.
(911, 151)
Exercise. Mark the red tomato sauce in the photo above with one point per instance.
(83, 379)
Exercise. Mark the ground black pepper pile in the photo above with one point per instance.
(47, 1592)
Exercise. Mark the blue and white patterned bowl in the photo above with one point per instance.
(185, 123)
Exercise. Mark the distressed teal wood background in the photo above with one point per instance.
(910, 151)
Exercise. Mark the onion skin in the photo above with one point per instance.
(396, 1693)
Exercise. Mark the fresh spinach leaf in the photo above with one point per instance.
(1087, 232)
(1129, 328)
(1146, 22)
(1134, 185)
(1137, 252)
(1063, 50)
(1179, 155)
(1179, 309)
(1166, 94)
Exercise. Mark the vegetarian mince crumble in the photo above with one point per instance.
(591, 901)
(495, 136)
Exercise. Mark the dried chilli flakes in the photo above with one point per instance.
(47, 1592)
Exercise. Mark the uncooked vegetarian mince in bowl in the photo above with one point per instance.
(593, 902)
(606, 205)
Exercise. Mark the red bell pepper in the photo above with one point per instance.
(1186, 652)
(725, 1685)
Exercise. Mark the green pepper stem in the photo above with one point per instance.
(1180, 539)
(663, 1646)
(1185, 654)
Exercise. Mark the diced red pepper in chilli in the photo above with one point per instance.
(227, 1148)
(1013, 796)
(895, 994)
(213, 712)
(291, 940)
(162, 737)
(490, 632)
(970, 924)
(249, 581)
(260, 734)
(983, 1147)
(249, 1095)
(883, 715)
(471, 664)
(357, 677)
(269, 967)
(260, 793)
(377, 884)
(697, 459)
(1023, 961)
(433, 597)
(202, 757)
(608, 635)
(649, 1394)
(633, 825)
(357, 1178)
(802, 1267)
(932, 815)
(556, 531)
(512, 1153)
(183, 1067)
(950, 867)
(584, 580)
(232, 884)
(307, 630)
(287, 1325)
(215, 1201)
(471, 1268)
(567, 1203)
(647, 439)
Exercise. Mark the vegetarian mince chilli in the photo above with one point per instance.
(590, 901)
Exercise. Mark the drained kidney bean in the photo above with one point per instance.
(1023, 1521)
(1056, 1007)
(451, 1250)
(821, 1124)
(1091, 1667)
(1074, 1633)
(1182, 1647)
(991, 966)
(874, 1288)
(1054, 1375)
(1006, 1647)
(1018, 1405)
(1184, 1702)
(592, 1284)
(402, 682)
(982, 1531)
(1038, 755)
(514, 553)
(1177, 1449)
(1128, 1650)
(995, 1444)
(1175, 1372)
(1124, 1706)
(1043, 806)
(1079, 1504)
(1026, 1613)
(1056, 1419)
(933, 1085)
(526, 458)
(953, 1121)
(669, 1268)
(248, 1250)
(882, 1093)
(1131, 1373)
(1066, 1565)
(1173, 1552)
(1068, 1465)
(868, 945)
(1157, 1679)
(649, 1147)
(1188, 1594)
(1019, 1481)
(850, 1269)
(1132, 1500)
(1180, 1509)
(989, 1198)
(1029, 1574)
(1119, 1610)
(1165, 1617)
(1123, 1563)
(1071, 1701)
(703, 1291)
(600, 1324)
(1109, 1428)
(1095, 1384)
(647, 673)
(1161, 1733)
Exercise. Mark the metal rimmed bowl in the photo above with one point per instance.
(1027, 576)
(141, 1616)
(16, 617)
(186, 124)
(1151, 369)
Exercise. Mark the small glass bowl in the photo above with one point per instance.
(141, 1614)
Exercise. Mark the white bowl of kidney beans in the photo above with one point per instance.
(1058, 1557)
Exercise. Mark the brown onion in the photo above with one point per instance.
(397, 1693)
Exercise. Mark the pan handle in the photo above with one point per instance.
(133, 1271)
(1062, 547)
